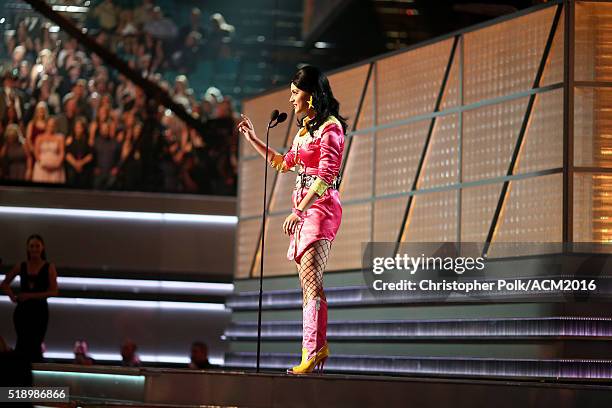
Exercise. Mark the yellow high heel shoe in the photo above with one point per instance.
(315, 362)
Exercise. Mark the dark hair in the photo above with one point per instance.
(310, 79)
(200, 345)
(37, 237)
(83, 121)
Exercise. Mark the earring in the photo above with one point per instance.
(310, 105)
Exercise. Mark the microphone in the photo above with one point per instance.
(281, 118)
(274, 115)
(278, 117)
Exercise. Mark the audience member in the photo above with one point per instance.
(107, 14)
(38, 281)
(79, 156)
(14, 156)
(65, 120)
(159, 26)
(131, 170)
(199, 356)
(81, 353)
(37, 125)
(11, 97)
(106, 157)
(129, 358)
(49, 74)
(49, 156)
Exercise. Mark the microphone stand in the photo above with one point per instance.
(263, 235)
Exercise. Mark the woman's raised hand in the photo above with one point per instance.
(246, 128)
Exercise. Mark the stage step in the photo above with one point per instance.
(350, 296)
(558, 369)
(583, 328)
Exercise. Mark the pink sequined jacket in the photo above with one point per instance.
(318, 154)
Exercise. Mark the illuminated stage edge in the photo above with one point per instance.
(94, 386)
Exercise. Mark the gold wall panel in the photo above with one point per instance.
(593, 207)
(553, 70)
(489, 137)
(398, 151)
(247, 237)
(451, 97)
(355, 229)
(543, 143)
(357, 179)
(250, 187)
(593, 40)
(477, 208)
(441, 166)
(532, 211)
(499, 60)
(347, 87)
(593, 127)
(408, 84)
(433, 218)
(388, 215)
(366, 118)
(258, 110)
(503, 59)
(276, 246)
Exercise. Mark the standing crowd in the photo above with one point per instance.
(66, 118)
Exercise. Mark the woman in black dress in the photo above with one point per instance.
(79, 156)
(38, 282)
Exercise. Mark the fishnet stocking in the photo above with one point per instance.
(310, 270)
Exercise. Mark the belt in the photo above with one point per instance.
(306, 180)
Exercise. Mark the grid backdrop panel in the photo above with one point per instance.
(489, 136)
(397, 156)
(553, 72)
(408, 84)
(543, 144)
(593, 39)
(258, 110)
(502, 59)
(347, 87)
(460, 114)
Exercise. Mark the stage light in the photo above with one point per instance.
(145, 358)
(100, 376)
(137, 304)
(202, 288)
(122, 215)
(70, 9)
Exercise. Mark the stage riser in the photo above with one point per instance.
(428, 331)
(461, 311)
(558, 328)
(138, 388)
(512, 349)
(485, 367)
(348, 289)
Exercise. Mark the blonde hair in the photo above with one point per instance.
(42, 104)
(13, 128)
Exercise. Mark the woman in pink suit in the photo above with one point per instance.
(316, 155)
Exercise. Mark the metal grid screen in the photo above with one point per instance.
(461, 140)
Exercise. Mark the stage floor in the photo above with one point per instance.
(154, 387)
